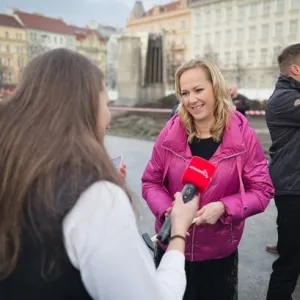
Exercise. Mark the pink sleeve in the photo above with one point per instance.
(153, 189)
(258, 187)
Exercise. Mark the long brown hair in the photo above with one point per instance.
(49, 124)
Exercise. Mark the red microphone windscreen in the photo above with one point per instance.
(199, 172)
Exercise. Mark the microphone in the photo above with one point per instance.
(196, 177)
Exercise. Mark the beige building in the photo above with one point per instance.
(173, 21)
(244, 37)
(91, 44)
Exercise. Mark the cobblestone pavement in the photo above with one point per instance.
(255, 262)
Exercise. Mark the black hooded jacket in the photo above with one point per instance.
(283, 120)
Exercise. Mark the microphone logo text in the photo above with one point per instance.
(203, 172)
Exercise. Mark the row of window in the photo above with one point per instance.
(59, 40)
(172, 26)
(7, 77)
(9, 62)
(252, 81)
(243, 11)
(252, 35)
(10, 49)
(10, 35)
(250, 57)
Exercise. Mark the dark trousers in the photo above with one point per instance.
(286, 268)
(209, 280)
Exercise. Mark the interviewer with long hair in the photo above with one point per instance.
(67, 225)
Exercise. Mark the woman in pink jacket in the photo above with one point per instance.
(208, 126)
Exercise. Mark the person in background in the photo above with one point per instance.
(207, 125)
(283, 121)
(240, 101)
(67, 224)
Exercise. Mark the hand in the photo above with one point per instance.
(168, 211)
(122, 172)
(210, 213)
(183, 214)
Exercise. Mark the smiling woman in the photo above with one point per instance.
(197, 83)
(208, 126)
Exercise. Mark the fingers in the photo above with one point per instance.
(178, 197)
(200, 220)
(200, 212)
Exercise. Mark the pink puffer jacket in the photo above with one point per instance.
(241, 182)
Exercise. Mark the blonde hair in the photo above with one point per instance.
(224, 104)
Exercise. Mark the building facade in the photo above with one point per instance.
(13, 51)
(91, 44)
(44, 33)
(244, 37)
(171, 20)
(105, 30)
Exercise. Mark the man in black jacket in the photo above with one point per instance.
(283, 120)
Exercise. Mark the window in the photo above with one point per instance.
(228, 36)
(218, 16)
(251, 57)
(266, 7)
(228, 14)
(239, 56)
(265, 32)
(262, 81)
(240, 34)
(7, 48)
(197, 41)
(280, 6)
(207, 15)
(250, 82)
(252, 33)
(293, 28)
(198, 20)
(207, 38)
(278, 29)
(182, 40)
(277, 51)
(6, 35)
(227, 58)
(9, 62)
(263, 55)
(10, 77)
(61, 40)
(295, 4)
(217, 38)
(253, 10)
(241, 12)
(183, 24)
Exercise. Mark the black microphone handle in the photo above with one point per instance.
(164, 233)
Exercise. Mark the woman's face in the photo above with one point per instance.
(104, 116)
(197, 95)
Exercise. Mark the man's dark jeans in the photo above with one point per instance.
(286, 269)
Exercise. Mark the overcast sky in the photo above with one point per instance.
(80, 12)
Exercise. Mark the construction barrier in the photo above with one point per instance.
(168, 110)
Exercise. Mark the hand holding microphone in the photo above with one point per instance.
(196, 177)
